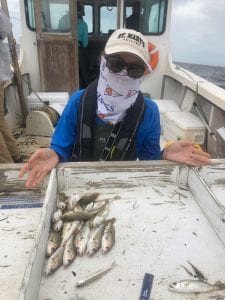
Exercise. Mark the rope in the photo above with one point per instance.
(52, 114)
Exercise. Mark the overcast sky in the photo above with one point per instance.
(198, 30)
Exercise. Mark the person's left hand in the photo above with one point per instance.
(186, 152)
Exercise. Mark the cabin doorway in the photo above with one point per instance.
(57, 48)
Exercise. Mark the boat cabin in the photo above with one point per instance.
(54, 25)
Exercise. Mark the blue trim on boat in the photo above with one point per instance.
(25, 205)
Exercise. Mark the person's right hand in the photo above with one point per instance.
(38, 166)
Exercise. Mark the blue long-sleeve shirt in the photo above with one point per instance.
(146, 139)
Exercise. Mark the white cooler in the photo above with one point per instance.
(183, 126)
(165, 106)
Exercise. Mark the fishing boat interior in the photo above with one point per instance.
(168, 217)
(51, 67)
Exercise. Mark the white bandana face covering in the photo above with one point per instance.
(115, 93)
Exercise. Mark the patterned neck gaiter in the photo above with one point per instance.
(115, 93)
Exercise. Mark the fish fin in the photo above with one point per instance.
(198, 273)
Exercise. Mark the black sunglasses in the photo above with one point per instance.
(116, 64)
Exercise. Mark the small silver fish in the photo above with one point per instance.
(66, 227)
(92, 277)
(57, 226)
(193, 286)
(100, 217)
(61, 205)
(72, 201)
(57, 215)
(87, 198)
(94, 242)
(82, 238)
(54, 261)
(96, 205)
(62, 197)
(198, 273)
(69, 252)
(53, 242)
(108, 238)
(81, 215)
(74, 227)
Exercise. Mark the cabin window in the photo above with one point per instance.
(146, 16)
(29, 9)
(108, 19)
(88, 18)
(64, 26)
(58, 18)
(55, 16)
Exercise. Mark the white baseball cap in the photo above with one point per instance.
(130, 41)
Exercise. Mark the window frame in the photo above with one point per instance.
(27, 15)
(99, 23)
(164, 19)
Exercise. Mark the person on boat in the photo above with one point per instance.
(9, 152)
(133, 21)
(82, 37)
(111, 119)
(64, 23)
(82, 28)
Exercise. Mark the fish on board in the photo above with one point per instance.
(194, 286)
(66, 226)
(198, 274)
(70, 252)
(87, 198)
(61, 201)
(81, 239)
(55, 261)
(74, 227)
(94, 242)
(57, 215)
(57, 226)
(61, 205)
(94, 276)
(62, 197)
(108, 237)
(81, 215)
(100, 217)
(72, 201)
(96, 205)
(53, 242)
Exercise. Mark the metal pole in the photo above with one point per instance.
(18, 76)
(120, 13)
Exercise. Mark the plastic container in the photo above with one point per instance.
(58, 99)
(183, 125)
(165, 106)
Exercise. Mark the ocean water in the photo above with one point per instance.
(211, 73)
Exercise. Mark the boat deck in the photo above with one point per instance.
(28, 144)
(166, 216)
(17, 230)
(19, 218)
